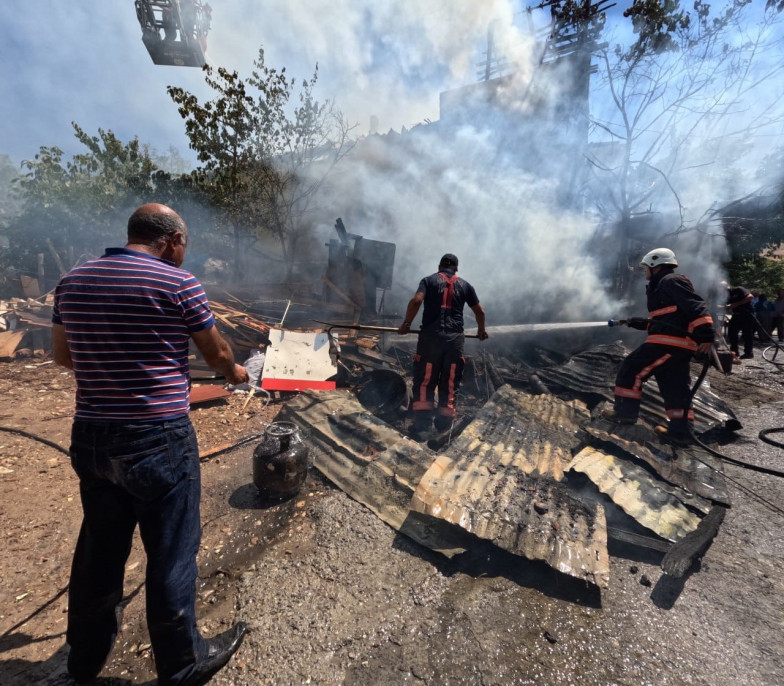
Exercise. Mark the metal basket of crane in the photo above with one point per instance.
(175, 31)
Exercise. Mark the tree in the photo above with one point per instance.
(671, 97)
(265, 153)
(70, 208)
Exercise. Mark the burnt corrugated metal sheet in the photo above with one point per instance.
(499, 481)
(692, 469)
(593, 373)
(514, 437)
(537, 518)
(534, 433)
(637, 492)
(370, 461)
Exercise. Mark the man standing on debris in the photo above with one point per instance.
(438, 362)
(678, 324)
(740, 301)
(123, 323)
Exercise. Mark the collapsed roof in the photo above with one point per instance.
(516, 475)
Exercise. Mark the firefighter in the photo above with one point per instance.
(438, 362)
(678, 324)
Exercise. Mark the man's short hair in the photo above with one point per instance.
(448, 261)
(153, 225)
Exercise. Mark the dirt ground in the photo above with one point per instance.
(334, 596)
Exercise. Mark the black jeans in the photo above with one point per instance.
(146, 474)
(742, 323)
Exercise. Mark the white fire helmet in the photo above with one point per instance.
(659, 256)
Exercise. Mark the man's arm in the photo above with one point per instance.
(411, 311)
(479, 313)
(744, 301)
(60, 351)
(218, 355)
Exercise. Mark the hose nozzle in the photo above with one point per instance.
(617, 322)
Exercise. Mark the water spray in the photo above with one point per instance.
(529, 328)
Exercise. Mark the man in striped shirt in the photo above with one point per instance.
(123, 323)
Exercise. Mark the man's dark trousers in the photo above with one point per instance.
(145, 474)
(670, 367)
(438, 364)
(742, 323)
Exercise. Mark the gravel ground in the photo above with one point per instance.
(348, 601)
(332, 595)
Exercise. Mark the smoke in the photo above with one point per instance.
(495, 179)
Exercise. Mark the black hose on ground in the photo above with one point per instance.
(755, 468)
(725, 458)
(26, 434)
(763, 435)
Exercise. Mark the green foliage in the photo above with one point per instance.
(265, 150)
(762, 275)
(73, 208)
(9, 198)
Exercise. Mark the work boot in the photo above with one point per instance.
(679, 439)
(220, 648)
(422, 427)
(613, 416)
(747, 356)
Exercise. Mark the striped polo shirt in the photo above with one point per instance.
(128, 317)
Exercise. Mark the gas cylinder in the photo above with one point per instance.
(280, 461)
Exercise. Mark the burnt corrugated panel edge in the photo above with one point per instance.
(637, 492)
(692, 469)
(536, 517)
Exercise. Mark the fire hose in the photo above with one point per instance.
(763, 435)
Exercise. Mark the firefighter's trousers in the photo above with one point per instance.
(670, 366)
(438, 364)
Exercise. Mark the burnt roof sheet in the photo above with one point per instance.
(500, 478)
(692, 469)
(535, 433)
(593, 371)
(637, 492)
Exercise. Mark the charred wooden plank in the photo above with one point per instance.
(682, 555)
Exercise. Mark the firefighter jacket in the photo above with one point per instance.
(677, 315)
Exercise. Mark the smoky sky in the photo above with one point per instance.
(463, 193)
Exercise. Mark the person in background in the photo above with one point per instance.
(122, 323)
(763, 310)
(679, 324)
(439, 362)
(739, 302)
(778, 315)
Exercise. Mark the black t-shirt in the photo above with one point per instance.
(737, 294)
(442, 311)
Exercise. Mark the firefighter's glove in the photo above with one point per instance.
(482, 335)
(640, 323)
